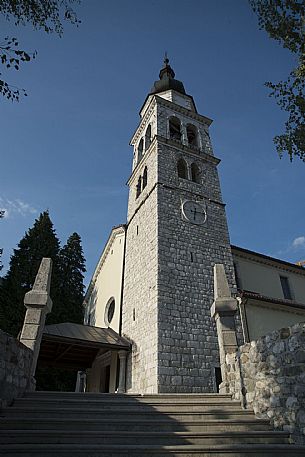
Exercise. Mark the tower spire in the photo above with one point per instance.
(167, 79)
(166, 70)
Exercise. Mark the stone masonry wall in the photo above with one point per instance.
(139, 313)
(188, 344)
(15, 368)
(268, 375)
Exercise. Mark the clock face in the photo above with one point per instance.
(194, 212)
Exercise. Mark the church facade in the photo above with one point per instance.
(154, 281)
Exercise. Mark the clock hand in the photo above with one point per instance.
(195, 213)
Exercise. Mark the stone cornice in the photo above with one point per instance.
(199, 195)
(184, 111)
(196, 154)
(263, 301)
(266, 260)
(168, 104)
(143, 122)
(161, 184)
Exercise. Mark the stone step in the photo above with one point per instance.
(160, 438)
(133, 424)
(150, 398)
(110, 425)
(139, 403)
(133, 413)
(218, 450)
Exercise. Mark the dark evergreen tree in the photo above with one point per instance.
(2, 212)
(67, 289)
(40, 241)
(68, 306)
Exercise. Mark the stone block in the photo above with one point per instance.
(176, 380)
(33, 315)
(29, 332)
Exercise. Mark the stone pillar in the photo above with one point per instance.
(184, 139)
(122, 374)
(223, 311)
(38, 303)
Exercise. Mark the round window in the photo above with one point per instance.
(109, 311)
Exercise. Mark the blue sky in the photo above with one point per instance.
(65, 147)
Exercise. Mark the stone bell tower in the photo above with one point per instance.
(176, 232)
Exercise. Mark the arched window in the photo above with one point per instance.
(195, 172)
(139, 187)
(174, 129)
(144, 180)
(147, 137)
(140, 150)
(192, 135)
(182, 169)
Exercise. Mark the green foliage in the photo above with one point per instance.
(69, 296)
(11, 57)
(284, 20)
(67, 276)
(40, 241)
(41, 14)
(67, 289)
(290, 97)
(46, 15)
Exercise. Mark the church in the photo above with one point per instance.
(153, 284)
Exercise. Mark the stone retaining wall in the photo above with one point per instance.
(268, 375)
(15, 369)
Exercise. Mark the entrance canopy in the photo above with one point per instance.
(75, 346)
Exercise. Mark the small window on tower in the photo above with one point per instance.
(174, 129)
(286, 288)
(182, 169)
(147, 137)
(139, 187)
(195, 173)
(192, 135)
(140, 150)
(144, 182)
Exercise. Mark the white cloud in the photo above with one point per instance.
(295, 248)
(16, 206)
(299, 242)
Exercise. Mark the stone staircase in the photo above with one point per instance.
(93, 425)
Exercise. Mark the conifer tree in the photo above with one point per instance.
(67, 289)
(40, 241)
(67, 307)
(2, 212)
(70, 291)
